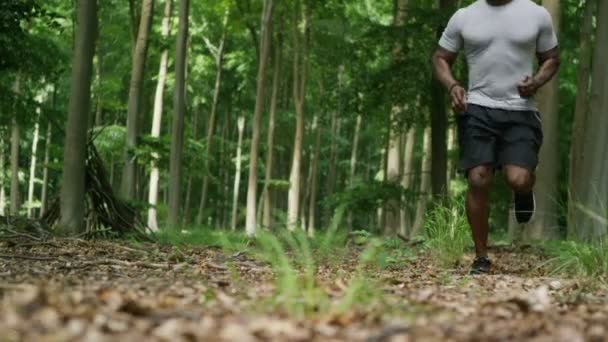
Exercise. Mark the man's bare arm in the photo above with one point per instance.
(442, 68)
(549, 62)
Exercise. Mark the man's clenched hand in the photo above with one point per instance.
(528, 87)
(459, 98)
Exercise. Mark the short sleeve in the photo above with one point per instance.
(547, 38)
(451, 39)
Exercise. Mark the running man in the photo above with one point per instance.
(499, 126)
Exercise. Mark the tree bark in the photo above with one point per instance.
(266, 195)
(219, 62)
(72, 195)
(425, 184)
(15, 141)
(314, 166)
(451, 145)
(44, 198)
(188, 200)
(2, 178)
(99, 74)
(157, 117)
(393, 169)
(299, 92)
(439, 124)
(353, 163)
(135, 95)
(252, 185)
(32, 177)
(580, 116)
(545, 225)
(179, 108)
(592, 214)
(406, 180)
(237, 177)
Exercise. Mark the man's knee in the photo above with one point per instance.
(480, 177)
(519, 179)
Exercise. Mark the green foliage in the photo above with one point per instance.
(578, 259)
(447, 232)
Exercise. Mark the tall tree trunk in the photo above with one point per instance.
(312, 206)
(451, 145)
(188, 200)
(333, 155)
(393, 170)
(545, 225)
(15, 141)
(301, 33)
(425, 184)
(135, 95)
(267, 210)
(2, 178)
(32, 178)
(592, 213)
(179, 107)
(44, 198)
(157, 117)
(237, 177)
(353, 163)
(580, 116)
(99, 74)
(439, 123)
(406, 180)
(219, 63)
(72, 194)
(252, 185)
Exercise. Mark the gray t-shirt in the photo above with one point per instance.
(500, 44)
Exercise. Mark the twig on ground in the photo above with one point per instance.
(28, 257)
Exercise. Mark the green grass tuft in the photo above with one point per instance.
(578, 258)
(447, 232)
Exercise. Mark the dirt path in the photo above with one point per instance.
(108, 292)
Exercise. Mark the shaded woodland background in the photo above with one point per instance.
(242, 114)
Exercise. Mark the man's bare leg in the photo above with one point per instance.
(478, 207)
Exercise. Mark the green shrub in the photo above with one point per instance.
(578, 258)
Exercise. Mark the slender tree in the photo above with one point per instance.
(157, 116)
(218, 53)
(425, 184)
(237, 177)
(15, 141)
(32, 177)
(179, 108)
(439, 123)
(580, 115)
(72, 195)
(393, 164)
(135, 95)
(406, 180)
(314, 172)
(2, 172)
(353, 162)
(44, 197)
(300, 36)
(266, 198)
(250, 221)
(591, 210)
(544, 225)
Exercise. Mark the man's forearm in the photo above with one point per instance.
(547, 70)
(443, 72)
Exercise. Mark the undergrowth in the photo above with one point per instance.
(578, 259)
(447, 232)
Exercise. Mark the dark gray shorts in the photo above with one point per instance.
(498, 137)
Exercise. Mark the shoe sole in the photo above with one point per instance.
(533, 210)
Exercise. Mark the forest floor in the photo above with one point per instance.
(103, 291)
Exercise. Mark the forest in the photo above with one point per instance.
(263, 170)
